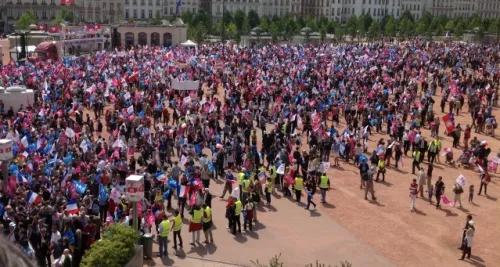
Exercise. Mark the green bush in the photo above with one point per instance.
(275, 262)
(115, 249)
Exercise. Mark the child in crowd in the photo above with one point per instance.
(430, 193)
(471, 193)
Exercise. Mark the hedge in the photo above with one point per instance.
(115, 249)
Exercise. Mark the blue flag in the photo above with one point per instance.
(102, 192)
(80, 187)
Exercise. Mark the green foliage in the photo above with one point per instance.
(115, 249)
(253, 19)
(450, 25)
(440, 30)
(374, 30)
(421, 28)
(25, 20)
(390, 27)
(407, 15)
(405, 27)
(157, 19)
(63, 15)
(274, 31)
(239, 19)
(187, 17)
(352, 27)
(342, 264)
(459, 29)
(274, 262)
(322, 33)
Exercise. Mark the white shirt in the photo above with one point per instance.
(54, 237)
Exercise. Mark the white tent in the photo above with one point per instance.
(189, 43)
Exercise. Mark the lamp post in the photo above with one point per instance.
(223, 24)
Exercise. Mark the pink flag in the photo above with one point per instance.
(447, 202)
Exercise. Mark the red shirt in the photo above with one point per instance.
(413, 189)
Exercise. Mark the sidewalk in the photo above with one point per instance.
(301, 236)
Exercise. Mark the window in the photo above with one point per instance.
(150, 2)
(135, 14)
(143, 14)
(352, 11)
(171, 10)
(353, 2)
(127, 15)
(369, 2)
(158, 2)
(134, 2)
(143, 2)
(104, 5)
(150, 14)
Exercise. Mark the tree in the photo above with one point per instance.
(239, 19)
(459, 29)
(157, 19)
(25, 20)
(495, 28)
(274, 31)
(187, 17)
(322, 33)
(384, 21)
(330, 28)
(253, 19)
(440, 30)
(245, 28)
(339, 31)
(390, 27)
(311, 23)
(228, 18)
(405, 28)
(374, 30)
(421, 28)
(352, 27)
(450, 25)
(322, 21)
(63, 15)
(407, 15)
(290, 29)
(264, 23)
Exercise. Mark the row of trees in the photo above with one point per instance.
(363, 27)
(27, 18)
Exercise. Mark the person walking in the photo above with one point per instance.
(163, 238)
(309, 197)
(207, 224)
(236, 216)
(176, 228)
(439, 187)
(463, 244)
(195, 225)
(324, 185)
(485, 180)
(368, 180)
(430, 168)
(269, 190)
(413, 194)
(458, 190)
(299, 185)
(249, 207)
(421, 181)
(416, 161)
(228, 185)
(469, 237)
(363, 170)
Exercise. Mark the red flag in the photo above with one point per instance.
(448, 123)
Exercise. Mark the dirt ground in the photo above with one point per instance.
(384, 230)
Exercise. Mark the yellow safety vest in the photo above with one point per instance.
(299, 183)
(165, 224)
(273, 175)
(269, 186)
(416, 155)
(246, 185)
(177, 223)
(208, 217)
(241, 176)
(262, 169)
(323, 183)
(381, 163)
(283, 129)
(437, 143)
(237, 208)
(197, 214)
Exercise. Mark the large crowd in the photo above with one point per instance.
(260, 120)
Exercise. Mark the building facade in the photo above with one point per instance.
(10, 10)
(170, 7)
(262, 7)
(152, 35)
(102, 11)
(141, 9)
